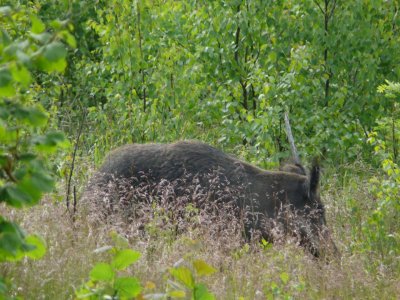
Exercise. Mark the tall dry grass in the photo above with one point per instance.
(163, 236)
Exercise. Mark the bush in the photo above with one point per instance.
(25, 141)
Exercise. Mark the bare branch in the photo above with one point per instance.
(319, 6)
(291, 140)
(84, 113)
(333, 9)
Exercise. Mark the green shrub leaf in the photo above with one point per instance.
(16, 197)
(22, 75)
(39, 246)
(102, 272)
(124, 258)
(49, 142)
(44, 37)
(11, 239)
(37, 24)
(55, 51)
(6, 87)
(14, 245)
(183, 275)
(42, 182)
(128, 287)
(33, 115)
(52, 58)
(201, 293)
(177, 294)
(202, 268)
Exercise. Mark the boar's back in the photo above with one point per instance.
(171, 161)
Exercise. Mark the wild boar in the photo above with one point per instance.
(268, 194)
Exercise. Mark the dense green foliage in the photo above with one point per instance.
(163, 70)
(25, 142)
(381, 232)
(220, 71)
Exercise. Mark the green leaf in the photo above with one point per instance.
(6, 87)
(50, 142)
(5, 38)
(51, 57)
(16, 197)
(202, 268)
(42, 181)
(127, 287)
(177, 294)
(13, 246)
(12, 229)
(102, 272)
(27, 187)
(5, 76)
(55, 51)
(43, 37)
(58, 24)
(68, 38)
(54, 138)
(39, 247)
(37, 24)
(201, 293)
(10, 246)
(22, 75)
(31, 115)
(183, 275)
(37, 117)
(48, 66)
(24, 59)
(124, 258)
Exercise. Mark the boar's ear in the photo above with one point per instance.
(314, 177)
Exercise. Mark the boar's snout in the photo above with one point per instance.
(317, 239)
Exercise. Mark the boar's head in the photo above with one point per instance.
(307, 219)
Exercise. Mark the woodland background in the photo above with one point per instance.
(78, 78)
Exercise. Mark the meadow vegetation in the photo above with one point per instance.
(248, 270)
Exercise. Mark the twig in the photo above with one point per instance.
(74, 208)
(319, 6)
(73, 159)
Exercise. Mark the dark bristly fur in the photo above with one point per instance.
(293, 168)
(265, 193)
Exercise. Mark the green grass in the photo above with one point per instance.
(248, 271)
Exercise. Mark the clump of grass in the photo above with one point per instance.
(165, 233)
